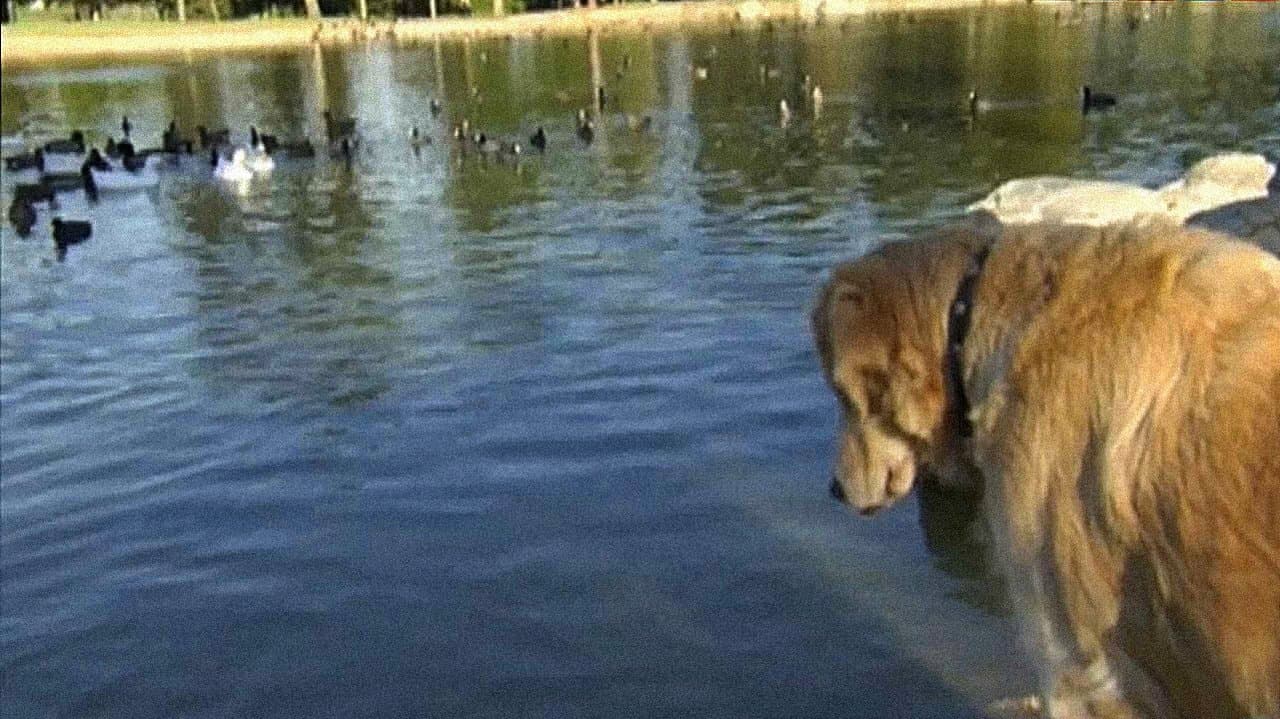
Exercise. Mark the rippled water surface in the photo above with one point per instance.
(438, 434)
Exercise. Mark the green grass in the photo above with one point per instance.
(37, 26)
(58, 22)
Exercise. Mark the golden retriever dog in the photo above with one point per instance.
(1116, 391)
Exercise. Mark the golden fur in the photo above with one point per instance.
(1125, 394)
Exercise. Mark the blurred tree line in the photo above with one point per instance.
(226, 9)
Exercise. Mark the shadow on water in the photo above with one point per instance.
(952, 526)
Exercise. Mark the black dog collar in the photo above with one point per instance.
(958, 318)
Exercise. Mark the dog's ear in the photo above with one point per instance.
(837, 298)
(820, 323)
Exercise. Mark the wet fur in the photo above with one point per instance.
(1125, 392)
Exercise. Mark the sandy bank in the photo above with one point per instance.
(21, 45)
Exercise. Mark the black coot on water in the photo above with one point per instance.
(69, 232)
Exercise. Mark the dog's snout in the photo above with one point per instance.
(837, 492)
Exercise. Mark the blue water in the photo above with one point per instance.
(447, 436)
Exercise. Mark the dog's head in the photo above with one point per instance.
(880, 329)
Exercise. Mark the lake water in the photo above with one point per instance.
(441, 435)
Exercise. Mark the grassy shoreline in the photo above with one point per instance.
(34, 42)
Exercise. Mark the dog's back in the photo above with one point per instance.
(1138, 418)
(1210, 508)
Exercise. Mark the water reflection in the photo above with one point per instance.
(294, 299)
(482, 425)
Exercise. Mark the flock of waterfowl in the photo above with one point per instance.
(469, 139)
(69, 164)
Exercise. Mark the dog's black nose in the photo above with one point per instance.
(837, 492)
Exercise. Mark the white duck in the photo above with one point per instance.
(233, 170)
(1210, 183)
(258, 161)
